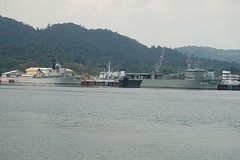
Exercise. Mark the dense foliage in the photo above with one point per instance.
(208, 52)
(83, 50)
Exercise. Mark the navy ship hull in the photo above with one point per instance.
(49, 80)
(181, 84)
(130, 83)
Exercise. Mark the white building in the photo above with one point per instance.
(228, 78)
(8, 77)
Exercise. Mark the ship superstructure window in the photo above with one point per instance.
(189, 77)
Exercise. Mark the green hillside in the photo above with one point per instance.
(208, 52)
(83, 50)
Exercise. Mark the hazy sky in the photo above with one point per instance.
(171, 23)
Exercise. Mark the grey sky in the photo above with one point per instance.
(171, 23)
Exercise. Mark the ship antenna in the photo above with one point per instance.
(109, 67)
(189, 63)
(211, 62)
(53, 64)
(198, 62)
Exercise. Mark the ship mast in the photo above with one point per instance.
(109, 67)
(188, 63)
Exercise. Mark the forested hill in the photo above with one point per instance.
(208, 52)
(83, 50)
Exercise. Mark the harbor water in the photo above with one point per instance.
(99, 123)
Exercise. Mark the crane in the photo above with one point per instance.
(159, 63)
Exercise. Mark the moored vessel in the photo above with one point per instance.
(105, 78)
(188, 79)
(54, 75)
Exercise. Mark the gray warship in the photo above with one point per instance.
(54, 75)
(187, 79)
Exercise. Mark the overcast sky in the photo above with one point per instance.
(171, 23)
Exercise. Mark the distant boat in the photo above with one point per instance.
(54, 75)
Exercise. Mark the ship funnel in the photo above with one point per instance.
(53, 64)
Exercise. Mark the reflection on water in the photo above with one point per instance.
(47, 122)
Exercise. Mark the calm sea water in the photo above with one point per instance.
(59, 123)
